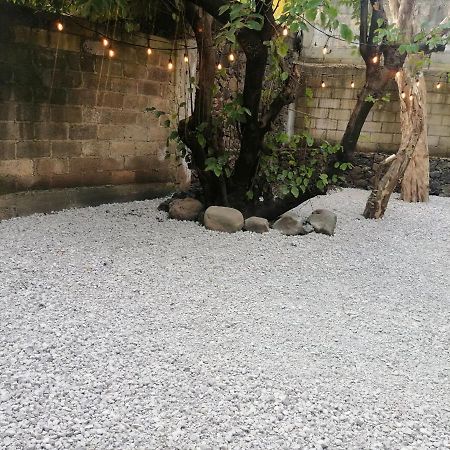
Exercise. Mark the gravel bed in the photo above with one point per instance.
(121, 329)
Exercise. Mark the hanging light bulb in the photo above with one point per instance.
(285, 31)
(231, 57)
(219, 66)
(375, 59)
(186, 58)
(352, 83)
(170, 64)
(397, 74)
(59, 25)
(149, 51)
(111, 53)
(403, 94)
(438, 84)
(411, 97)
(417, 82)
(325, 50)
(105, 42)
(322, 82)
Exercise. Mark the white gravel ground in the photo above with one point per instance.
(120, 329)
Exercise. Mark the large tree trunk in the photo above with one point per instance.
(411, 164)
(413, 124)
(416, 180)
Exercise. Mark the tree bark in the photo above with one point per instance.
(413, 125)
(413, 147)
(416, 180)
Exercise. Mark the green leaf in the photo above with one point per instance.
(224, 8)
(249, 195)
(294, 191)
(346, 32)
(254, 25)
(284, 76)
(201, 140)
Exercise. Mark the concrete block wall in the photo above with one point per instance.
(70, 116)
(327, 113)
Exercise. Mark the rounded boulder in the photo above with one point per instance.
(185, 209)
(221, 218)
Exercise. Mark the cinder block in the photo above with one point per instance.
(383, 116)
(109, 132)
(440, 130)
(339, 114)
(82, 165)
(51, 166)
(7, 149)
(347, 104)
(381, 138)
(8, 131)
(122, 148)
(111, 163)
(96, 148)
(111, 99)
(57, 131)
(139, 162)
(439, 109)
(32, 149)
(16, 167)
(149, 88)
(63, 149)
(390, 127)
(82, 132)
(371, 127)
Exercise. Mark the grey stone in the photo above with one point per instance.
(221, 218)
(185, 209)
(445, 190)
(289, 225)
(323, 221)
(256, 224)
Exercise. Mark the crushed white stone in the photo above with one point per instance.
(120, 329)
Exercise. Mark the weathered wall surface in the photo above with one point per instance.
(328, 112)
(70, 116)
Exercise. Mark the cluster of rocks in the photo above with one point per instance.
(231, 220)
(365, 166)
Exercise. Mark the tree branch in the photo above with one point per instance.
(285, 96)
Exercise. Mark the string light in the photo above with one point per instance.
(352, 83)
(417, 82)
(375, 59)
(59, 25)
(186, 58)
(411, 97)
(403, 94)
(170, 64)
(397, 74)
(322, 82)
(231, 57)
(285, 31)
(438, 84)
(111, 53)
(325, 49)
(219, 66)
(149, 51)
(105, 42)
